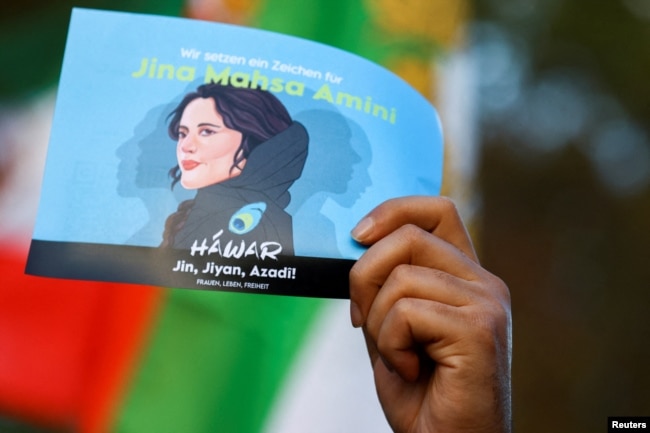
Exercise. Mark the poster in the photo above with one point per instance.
(208, 156)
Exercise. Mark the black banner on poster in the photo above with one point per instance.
(281, 275)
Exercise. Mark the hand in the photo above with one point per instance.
(437, 325)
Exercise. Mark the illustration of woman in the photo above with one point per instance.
(241, 151)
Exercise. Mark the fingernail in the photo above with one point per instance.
(363, 229)
(355, 315)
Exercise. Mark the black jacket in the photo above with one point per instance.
(270, 170)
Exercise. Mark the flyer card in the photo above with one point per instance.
(199, 155)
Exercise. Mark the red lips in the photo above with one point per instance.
(189, 164)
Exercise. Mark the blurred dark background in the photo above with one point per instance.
(564, 180)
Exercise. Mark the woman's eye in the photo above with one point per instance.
(207, 132)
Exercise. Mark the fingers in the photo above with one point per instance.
(406, 329)
(420, 287)
(408, 245)
(452, 337)
(436, 215)
(416, 282)
(436, 324)
(413, 323)
(422, 231)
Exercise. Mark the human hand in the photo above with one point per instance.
(437, 325)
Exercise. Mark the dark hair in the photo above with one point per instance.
(256, 113)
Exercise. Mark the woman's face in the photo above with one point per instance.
(206, 147)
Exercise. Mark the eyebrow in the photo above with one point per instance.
(200, 125)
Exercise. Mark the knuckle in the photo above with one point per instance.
(384, 346)
(388, 337)
(447, 205)
(357, 277)
(410, 233)
(490, 322)
(400, 275)
(499, 289)
(403, 308)
(491, 288)
(356, 273)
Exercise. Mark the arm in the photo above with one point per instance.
(437, 325)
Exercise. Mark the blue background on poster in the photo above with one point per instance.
(106, 178)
